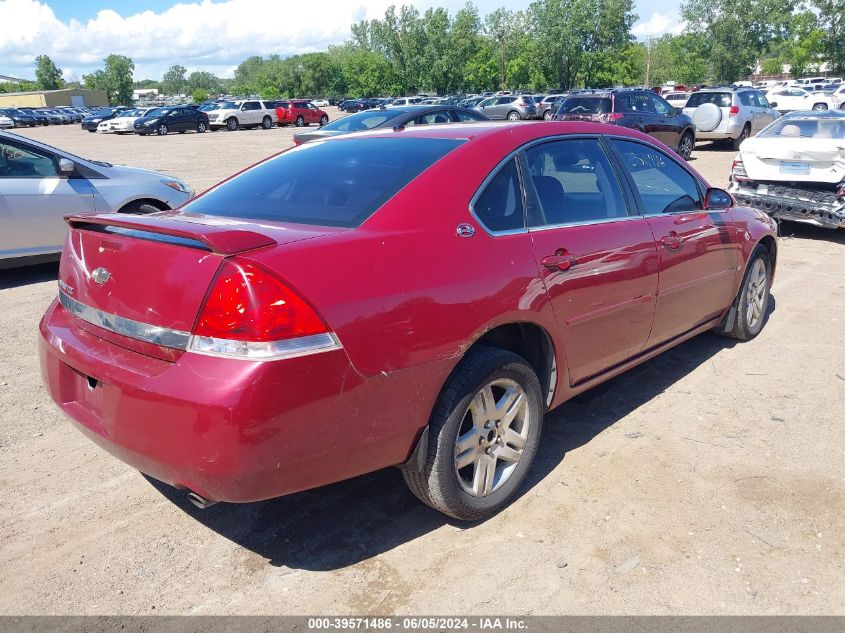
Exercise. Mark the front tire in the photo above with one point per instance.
(323, 120)
(232, 124)
(162, 129)
(483, 436)
(753, 297)
(141, 208)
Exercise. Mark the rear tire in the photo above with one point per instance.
(547, 115)
(266, 123)
(820, 107)
(201, 127)
(300, 122)
(492, 402)
(753, 297)
(746, 132)
(513, 115)
(685, 145)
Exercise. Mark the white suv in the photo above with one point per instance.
(726, 114)
(249, 113)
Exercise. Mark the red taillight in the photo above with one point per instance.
(607, 117)
(248, 303)
(733, 111)
(738, 172)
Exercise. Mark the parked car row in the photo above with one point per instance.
(229, 115)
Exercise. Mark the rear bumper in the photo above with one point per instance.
(227, 429)
(793, 203)
(731, 130)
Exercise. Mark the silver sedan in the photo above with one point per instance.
(40, 184)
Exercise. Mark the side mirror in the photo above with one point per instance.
(66, 167)
(717, 199)
(773, 104)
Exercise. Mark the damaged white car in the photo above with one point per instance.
(795, 169)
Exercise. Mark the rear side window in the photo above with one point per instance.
(466, 116)
(744, 98)
(585, 105)
(663, 185)
(330, 183)
(720, 99)
(574, 182)
(499, 207)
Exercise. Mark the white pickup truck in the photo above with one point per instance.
(249, 113)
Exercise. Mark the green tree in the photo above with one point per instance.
(115, 79)
(199, 95)
(831, 15)
(737, 31)
(201, 80)
(47, 74)
(174, 81)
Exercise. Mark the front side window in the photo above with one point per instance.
(574, 182)
(296, 186)
(664, 186)
(499, 207)
(23, 161)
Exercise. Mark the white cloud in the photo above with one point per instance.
(658, 24)
(202, 35)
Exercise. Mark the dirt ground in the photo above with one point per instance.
(707, 481)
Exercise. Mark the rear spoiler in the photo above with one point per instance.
(224, 240)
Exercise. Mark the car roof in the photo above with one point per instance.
(470, 131)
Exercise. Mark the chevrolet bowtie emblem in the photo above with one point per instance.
(100, 275)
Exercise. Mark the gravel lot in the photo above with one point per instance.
(707, 481)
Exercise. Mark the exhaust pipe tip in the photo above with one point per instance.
(199, 501)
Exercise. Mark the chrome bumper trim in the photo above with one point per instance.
(133, 329)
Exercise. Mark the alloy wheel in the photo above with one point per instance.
(756, 293)
(492, 437)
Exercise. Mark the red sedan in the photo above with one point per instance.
(423, 303)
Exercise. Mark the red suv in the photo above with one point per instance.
(299, 113)
(423, 303)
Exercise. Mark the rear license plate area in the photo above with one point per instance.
(794, 167)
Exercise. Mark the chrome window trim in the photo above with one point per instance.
(500, 165)
(562, 225)
(154, 334)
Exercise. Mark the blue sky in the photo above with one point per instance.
(211, 35)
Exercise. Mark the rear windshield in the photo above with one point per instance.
(362, 120)
(831, 126)
(329, 183)
(585, 105)
(721, 99)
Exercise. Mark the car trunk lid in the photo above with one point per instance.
(144, 278)
(794, 160)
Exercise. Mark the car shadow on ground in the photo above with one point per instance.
(351, 521)
(15, 277)
(804, 231)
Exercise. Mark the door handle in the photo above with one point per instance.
(671, 241)
(562, 260)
